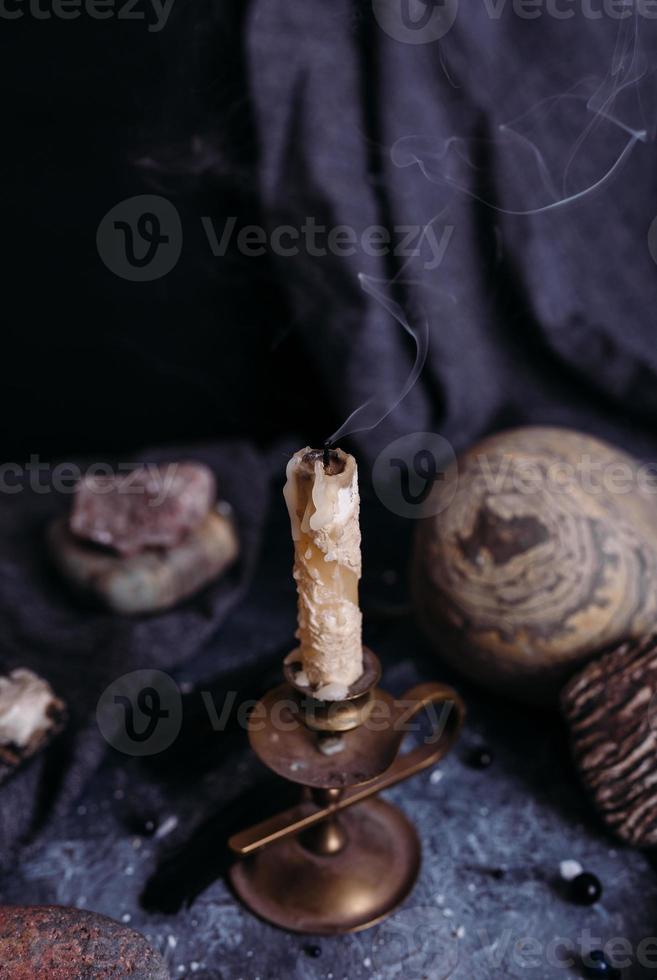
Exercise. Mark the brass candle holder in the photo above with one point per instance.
(342, 859)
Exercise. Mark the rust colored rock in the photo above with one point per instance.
(611, 710)
(541, 552)
(150, 507)
(51, 942)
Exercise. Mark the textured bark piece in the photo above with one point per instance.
(531, 564)
(611, 711)
(56, 943)
(153, 506)
(153, 580)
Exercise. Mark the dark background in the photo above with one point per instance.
(97, 111)
(271, 112)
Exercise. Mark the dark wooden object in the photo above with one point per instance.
(611, 711)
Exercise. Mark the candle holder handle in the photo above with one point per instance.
(302, 817)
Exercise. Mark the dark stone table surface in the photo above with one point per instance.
(145, 842)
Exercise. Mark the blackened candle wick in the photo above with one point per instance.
(327, 455)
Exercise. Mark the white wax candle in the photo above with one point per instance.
(323, 504)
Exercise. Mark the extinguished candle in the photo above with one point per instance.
(322, 498)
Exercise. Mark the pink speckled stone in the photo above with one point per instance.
(150, 507)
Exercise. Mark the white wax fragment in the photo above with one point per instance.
(24, 701)
(324, 497)
(331, 692)
(166, 827)
(570, 869)
(334, 505)
(331, 746)
(290, 495)
(301, 679)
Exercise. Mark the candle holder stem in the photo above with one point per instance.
(329, 836)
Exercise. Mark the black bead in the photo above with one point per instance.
(140, 824)
(313, 951)
(585, 889)
(480, 758)
(596, 964)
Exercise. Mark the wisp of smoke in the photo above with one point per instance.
(600, 98)
(374, 411)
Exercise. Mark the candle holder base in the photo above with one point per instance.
(291, 886)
